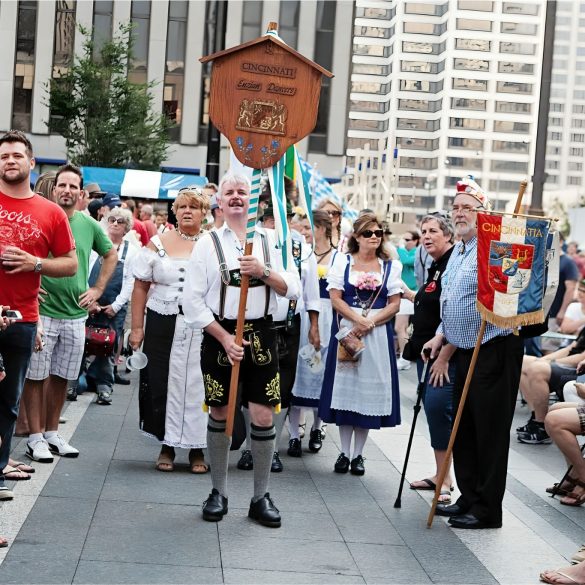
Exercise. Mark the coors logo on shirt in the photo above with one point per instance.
(18, 229)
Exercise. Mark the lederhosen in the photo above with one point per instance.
(288, 335)
(259, 375)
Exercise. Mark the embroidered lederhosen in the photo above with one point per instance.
(259, 374)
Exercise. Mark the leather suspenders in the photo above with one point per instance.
(225, 273)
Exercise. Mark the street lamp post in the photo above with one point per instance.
(431, 180)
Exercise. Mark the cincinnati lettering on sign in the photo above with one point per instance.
(278, 70)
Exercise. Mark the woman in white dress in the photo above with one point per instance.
(309, 379)
(365, 287)
(171, 386)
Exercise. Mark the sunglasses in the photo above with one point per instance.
(118, 220)
(370, 233)
(333, 213)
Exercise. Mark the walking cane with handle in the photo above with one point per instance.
(420, 396)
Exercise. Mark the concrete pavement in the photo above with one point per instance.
(109, 517)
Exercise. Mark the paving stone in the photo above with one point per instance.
(373, 528)
(98, 572)
(37, 570)
(245, 576)
(138, 532)
(312, 556)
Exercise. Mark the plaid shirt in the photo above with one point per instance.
(460, 317)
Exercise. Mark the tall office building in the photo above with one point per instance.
(454, 86)
(40, 39)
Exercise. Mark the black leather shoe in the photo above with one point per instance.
(265, 512)
(215, 507)
(72, 394)
(450, 510)
(276, 466)
(357, 466)
(342, 464)
(316, 441)
(471, 522)
(123, 381)
(294, 448)
(246, 462)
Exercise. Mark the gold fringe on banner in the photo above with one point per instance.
(533, 318)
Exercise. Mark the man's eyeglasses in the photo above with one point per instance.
(333, 213)
(370, 233)
(464, 208)
(118, 220)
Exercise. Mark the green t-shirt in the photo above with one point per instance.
(63, 298)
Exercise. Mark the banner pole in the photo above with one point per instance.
(447, 460)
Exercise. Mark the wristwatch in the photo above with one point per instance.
(38, 265)
(266, 272)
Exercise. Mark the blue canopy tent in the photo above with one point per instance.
(141, 184)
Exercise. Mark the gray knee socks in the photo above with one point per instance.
(218, 450)
(262, 450)
(278, 420)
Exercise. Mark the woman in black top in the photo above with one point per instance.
(437, 239)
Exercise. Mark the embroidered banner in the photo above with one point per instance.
(511, 269)
(552, 267)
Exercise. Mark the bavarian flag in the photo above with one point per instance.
(511, 253)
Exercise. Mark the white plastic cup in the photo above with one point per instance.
(137, 361)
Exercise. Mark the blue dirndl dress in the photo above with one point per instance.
(365, 393)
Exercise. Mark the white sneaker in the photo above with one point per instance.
(403, 364)
(6, 493)
(59, 446)
(39, 451)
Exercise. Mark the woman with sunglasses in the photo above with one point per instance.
(437, 239)
(364, 286)
(171, 385)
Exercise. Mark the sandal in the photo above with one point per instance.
(563, 489)
(575, 499)
(21, 466)
(3, 542)
(426, 484)
(549, 577)
(13, 474)
(166, 460)
(197, 462)
(444, 497)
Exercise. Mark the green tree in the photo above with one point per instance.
(106, 120)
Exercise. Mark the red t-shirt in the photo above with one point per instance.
(39, 227)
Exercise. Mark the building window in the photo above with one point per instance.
(555, 150)
(473, 24)
(510, 166)
(552, 179)
(480, 5)
(471, 84)
(516, 127)
(251, 20)
(555, 136)
(103, 16)
(576, 152)
(64, 37)
(379, 13)
(467, 123)
(467, 104)
(370, 50)
(507, 146)
(466, 143)
(413, 162)
(369, 106)
(574, 180)
(520, 8)
(417, 143)
(376, 32)
(560, 108)
(425, 48)
(357, 143)
(208, 48)
(372, 69)
(496, 186)
(519, 48)
(471, 64)
(420, 105)
(370, 87)
(577, 108)
(376, 125)
(578, 123)
(288, 23)
(175, 65)
(424, 28)
(515, 67)
(575, 166)
(472, 164)
(518, 28)
(579, 94)
(577, 137)
(424, 86)
(24, 67)
(472, 44)
(425, 8)
(415, 124)
(514, 87)
(422, 66)
(563, 64)
(513, 108)
(324, 37)
(140, 18)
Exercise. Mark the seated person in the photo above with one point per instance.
(574, 318)
(540, 377)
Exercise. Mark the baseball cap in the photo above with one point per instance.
(112, 200)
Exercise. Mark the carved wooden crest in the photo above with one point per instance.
(264, 97)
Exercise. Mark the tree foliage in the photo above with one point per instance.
(106, 120)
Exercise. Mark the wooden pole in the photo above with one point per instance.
(447, 461)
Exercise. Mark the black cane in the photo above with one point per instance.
(420, 396)
(557, 486)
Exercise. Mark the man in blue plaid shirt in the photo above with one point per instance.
(480, 451)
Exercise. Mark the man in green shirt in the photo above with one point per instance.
(63, 316)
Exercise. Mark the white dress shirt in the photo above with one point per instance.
(201, 299)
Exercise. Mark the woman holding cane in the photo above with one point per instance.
(437, 239)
